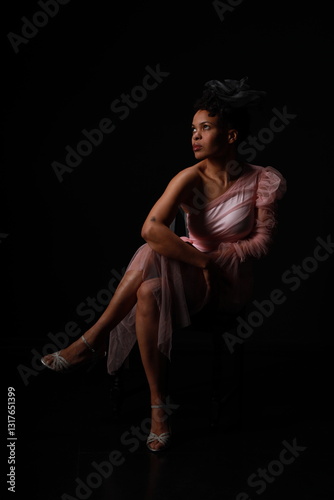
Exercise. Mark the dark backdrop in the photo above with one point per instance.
(62, 242)
(64, 238)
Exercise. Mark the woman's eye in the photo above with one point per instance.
(204, 127)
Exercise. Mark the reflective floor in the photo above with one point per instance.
(277, 442)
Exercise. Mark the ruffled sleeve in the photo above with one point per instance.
(271, 187)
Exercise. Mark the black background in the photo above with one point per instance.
(62, 240)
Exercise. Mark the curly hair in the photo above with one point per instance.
(230, 100)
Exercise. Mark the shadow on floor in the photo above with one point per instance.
(277, 444)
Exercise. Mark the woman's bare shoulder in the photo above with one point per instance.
(188, 175)
(184, 182)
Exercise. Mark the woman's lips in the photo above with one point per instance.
(196, 147)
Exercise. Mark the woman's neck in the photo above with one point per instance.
(227, 169)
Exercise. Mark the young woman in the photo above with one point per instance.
(230, 211)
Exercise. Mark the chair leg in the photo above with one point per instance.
(116, 394)
(227, 382)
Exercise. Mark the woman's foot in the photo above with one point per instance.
(79, 352)
(160, 435)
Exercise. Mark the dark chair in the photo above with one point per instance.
(226, 368)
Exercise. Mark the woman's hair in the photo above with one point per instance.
(230, 100)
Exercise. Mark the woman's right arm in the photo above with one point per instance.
(155, 230)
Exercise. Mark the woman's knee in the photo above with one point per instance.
(145, 291)
(145, 294)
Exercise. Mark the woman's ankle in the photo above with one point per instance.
(158, 399)
(97, 337)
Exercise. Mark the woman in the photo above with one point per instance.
(230, 211)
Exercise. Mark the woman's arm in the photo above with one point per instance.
(261, 239)
(256, 245)
(271, 188)
(155, 230)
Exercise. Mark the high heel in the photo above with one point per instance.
(60, 364)
(164, 438)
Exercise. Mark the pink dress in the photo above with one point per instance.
(228, 229)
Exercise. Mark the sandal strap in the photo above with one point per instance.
(162, 438)
(87, 344)
(58, 363)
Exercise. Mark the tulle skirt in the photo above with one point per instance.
(180, 291)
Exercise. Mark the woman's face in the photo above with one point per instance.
(209, 137)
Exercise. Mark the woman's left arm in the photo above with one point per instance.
(271, 187)
(261, 238)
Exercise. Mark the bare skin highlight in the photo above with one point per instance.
(159, 281)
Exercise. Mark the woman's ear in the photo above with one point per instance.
(232, 135)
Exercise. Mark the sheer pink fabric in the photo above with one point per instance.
(228, 229)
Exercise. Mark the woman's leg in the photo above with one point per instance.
(97, 336)
(154, 362)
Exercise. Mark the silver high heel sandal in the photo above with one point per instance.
(164, 438)
(59, 364)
